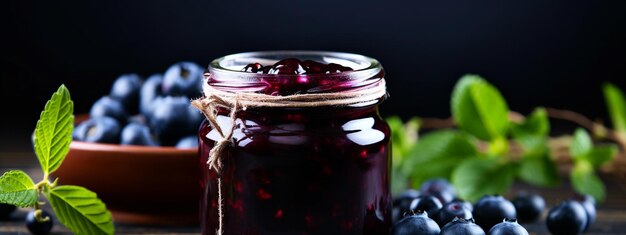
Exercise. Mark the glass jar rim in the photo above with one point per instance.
(226, 72)
(362, 62)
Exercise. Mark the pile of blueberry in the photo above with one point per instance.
(35, 227)
(434, 209)
(154, 112)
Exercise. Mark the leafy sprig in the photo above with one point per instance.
(76, 207)
(477, 156)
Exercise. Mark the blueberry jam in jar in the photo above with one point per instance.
(307, 170)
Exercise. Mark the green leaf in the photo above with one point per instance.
(477, 177)
(17, 188)
(479, 108)
(581, 144)
(80, 210)
(54, 130)
(585, 181)
(532, 145)
(601, 154)
(540, 171)
(536, 124)
(436, 154)
(616, 105)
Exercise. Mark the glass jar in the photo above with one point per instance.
(320, 170)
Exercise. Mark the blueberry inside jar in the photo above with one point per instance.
(297, 170)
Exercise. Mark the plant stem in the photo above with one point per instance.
(595, 128)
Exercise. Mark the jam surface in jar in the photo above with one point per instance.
(321, 170)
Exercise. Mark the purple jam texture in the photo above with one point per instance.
(296, 67)
(300, 171)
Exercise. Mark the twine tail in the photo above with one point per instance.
(220, 209)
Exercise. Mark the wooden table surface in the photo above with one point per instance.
(611, 216)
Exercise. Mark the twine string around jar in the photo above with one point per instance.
(235, 101)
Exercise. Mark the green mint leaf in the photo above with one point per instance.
(477, 177)
(81, 211)
(397, 139)
(536, 124)
(532, 133)
(532, 145)
(479, 108)
(616, 104)
(601, 154)
(436, 154)
(538, 170)
(53, 134)
(17, 188)
(585, 181)
(581, 143)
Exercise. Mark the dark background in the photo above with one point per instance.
(549, 53)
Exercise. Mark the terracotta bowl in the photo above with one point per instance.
(140, 185)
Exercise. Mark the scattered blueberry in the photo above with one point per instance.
(137, 134)
(440, 188)
(508, 227)
(108, 107)
(528, 206)
(417, 223)
(429, 204)
(491, 210)
(460, 226)
(172, 119)
(39, 227)
(183, 79)
(126, 90)
(402, 203)
(6, 210)
(568, 218)
(188, 142)
(98, 130)
(452, 210)
(589, 204)
(150, 90)
(467, 204)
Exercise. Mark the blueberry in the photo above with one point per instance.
(452, 210)
(108, 107)
(150, 90)
(467, 204)
(429, 204)
(41, 227)
(418, 223)
(137, 134)
(183, 79)
(6, 210)
(508, 227)
(99, 130)
(569, 218)
(460, 226)
(528, 206)
(589, 204)
(440, 188)
(402, 203)
(126, 90)
(195, 119)
(188, 142)
(287, 66)
(173, 118)
(491, 210)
